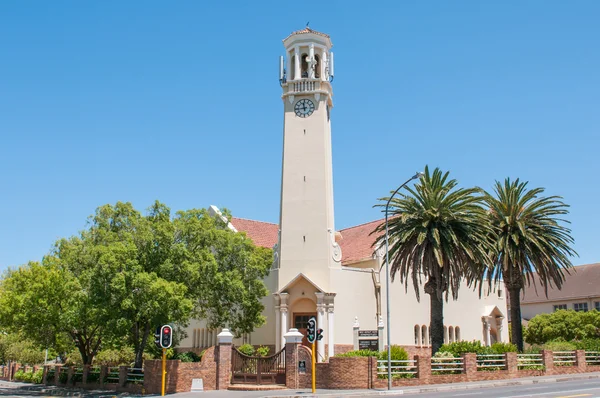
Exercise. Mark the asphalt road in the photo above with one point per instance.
(568, 389)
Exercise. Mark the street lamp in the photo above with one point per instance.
(387, 278)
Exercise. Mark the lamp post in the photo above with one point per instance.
(387, 278)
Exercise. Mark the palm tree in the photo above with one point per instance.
(529, 239)
(440, 234)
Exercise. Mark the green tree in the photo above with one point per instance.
(44, 301)
(530, 240)
(567, 325)
(438, 233)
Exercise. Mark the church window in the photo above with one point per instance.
(293, 71)
(451, 334)
(445, 334)
(597, 305)
(457, 333)
(560, 307)
(424, 338)
(417, 335)
(583, 307)
(317, 66)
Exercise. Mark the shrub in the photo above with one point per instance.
(189, 356)
(501, 348)
(262, 351)
(438, 362)
(115, 357)
(560, 346)
(37, 376)
(459, 348)
(361, 353)
(19, 375)
(27, 377)
(588, 344)
(246, 349)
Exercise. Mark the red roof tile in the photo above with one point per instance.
(356, 243)
(263, 234)
(304, 31)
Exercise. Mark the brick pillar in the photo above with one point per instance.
(511, 363)
(57, 369)
(293, 339)
(123, 375)
(470, 365)
(548, 361)
(580, 360)
(103, 373)
(223, 359)
(70, 373)
(423, 368)
(45, 374)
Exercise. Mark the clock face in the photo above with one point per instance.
(304, 108)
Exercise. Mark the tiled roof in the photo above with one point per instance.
(356, 243)
(262, 233)
(306, 30)
(582, 282)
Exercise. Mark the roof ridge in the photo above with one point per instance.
(363, 224)
(249, 219)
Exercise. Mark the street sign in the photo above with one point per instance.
(368, 344)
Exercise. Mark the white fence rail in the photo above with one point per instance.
(491, 361)
(564, 358)
(408, 368)
(447, 365)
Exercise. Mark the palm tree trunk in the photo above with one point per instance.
(436, 326)
(516, 327)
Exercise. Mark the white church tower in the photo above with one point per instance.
(307, 251)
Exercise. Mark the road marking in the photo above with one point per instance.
(547, 393)
(574, 396)
(471, 393)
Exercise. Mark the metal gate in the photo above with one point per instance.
(257, 370)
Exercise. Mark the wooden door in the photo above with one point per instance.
(301, 323)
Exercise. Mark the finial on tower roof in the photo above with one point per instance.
(307, 24)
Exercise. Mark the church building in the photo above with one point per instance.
(335, 276)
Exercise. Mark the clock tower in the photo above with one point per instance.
(307, 236)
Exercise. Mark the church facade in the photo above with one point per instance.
(335, 276)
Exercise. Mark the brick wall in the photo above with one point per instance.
(180, 374)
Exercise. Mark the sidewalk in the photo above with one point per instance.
(304, 393)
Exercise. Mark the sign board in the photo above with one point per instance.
(301, 366)
(197, 385)
(370, 344)
(368, 333)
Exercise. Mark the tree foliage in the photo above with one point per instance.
(438, 233)
(529, 238)
(566, 325)
(128, 273)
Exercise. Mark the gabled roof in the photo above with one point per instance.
(356, 243)
(263, 234)
(582, 282)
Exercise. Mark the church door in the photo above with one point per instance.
(301, 323)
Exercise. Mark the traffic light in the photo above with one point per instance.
(166, 336)
(319, 334)
(310, 330)
(157, 337)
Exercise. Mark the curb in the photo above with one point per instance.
(442, 388)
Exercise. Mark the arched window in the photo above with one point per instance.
(457, 333)
(317, 66)
(424, 338)
(445, 335)
(304, 66)
(417, 335)
(451, 334)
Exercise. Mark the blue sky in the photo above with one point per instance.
(179, 101)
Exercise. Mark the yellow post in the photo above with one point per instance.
(164, 371)
(314, 367)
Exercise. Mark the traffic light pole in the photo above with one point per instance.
(314, 367)
(164, 370)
